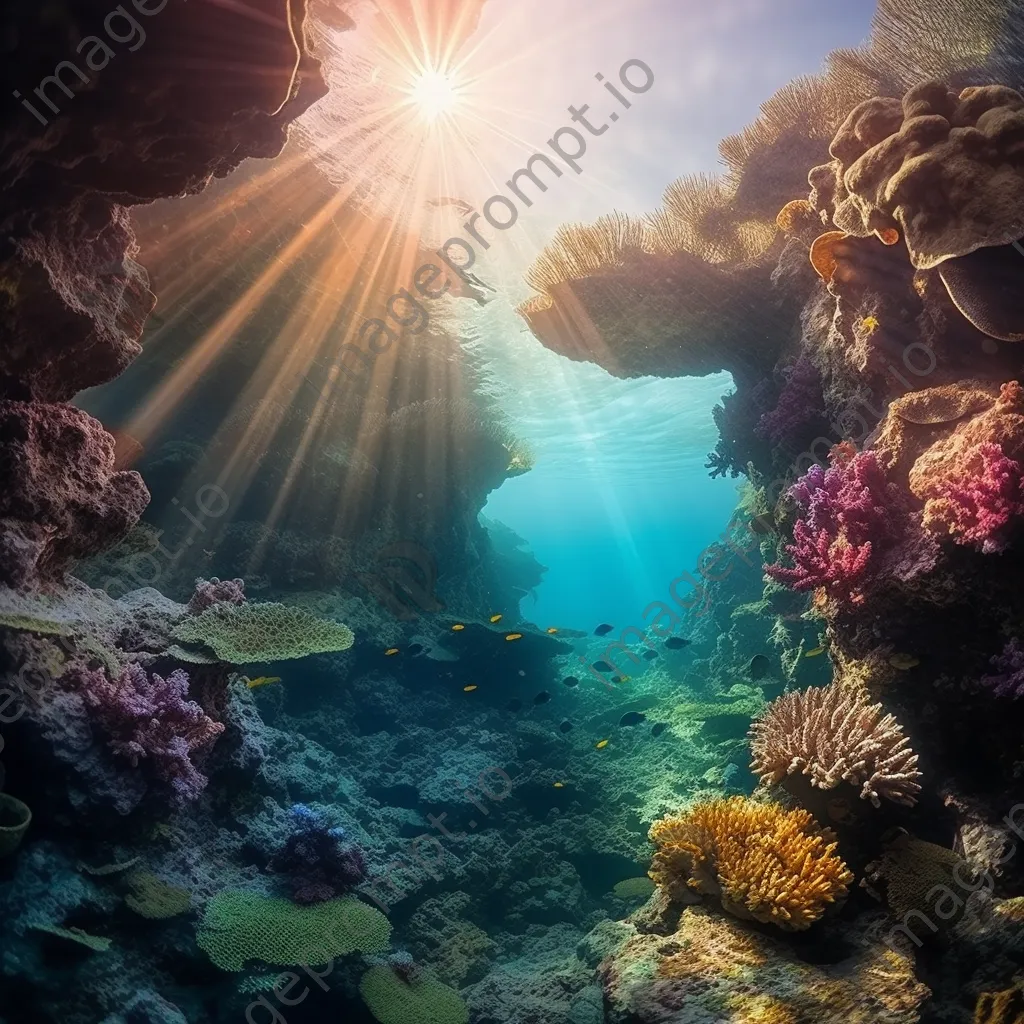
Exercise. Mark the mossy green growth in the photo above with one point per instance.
(634, 888)
(424, 1000)
(726, 719)
(97, 943)
(241, 926)
(245, 633)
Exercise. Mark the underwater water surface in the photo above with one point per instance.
(512, 512)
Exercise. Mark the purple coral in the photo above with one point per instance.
(800, 402)
(855, 527)
(214, 591)
(1008, 681)
(978, 506)
(318, 862)
(150, 718)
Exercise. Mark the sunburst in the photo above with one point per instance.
(435, 93)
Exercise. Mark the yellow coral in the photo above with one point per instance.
(1006, 1007)
(764, 863)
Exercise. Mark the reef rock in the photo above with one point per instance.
(63, 497)
(714, 969)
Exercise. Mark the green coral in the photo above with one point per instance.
(634, 888)
(241, 926)
(154, 898)
(97, 943)
(246, 633)
(422, 1001)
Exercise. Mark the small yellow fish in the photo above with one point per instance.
(514, 636)
(390, 651)
(601, 744)
(559, 785)
(814, 652)
(468, 689)
(495, 618)
(904, 662)
(551, 630)
(457, 627)
(869, 324)
(262, 681)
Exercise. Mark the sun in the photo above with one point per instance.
(434, 93)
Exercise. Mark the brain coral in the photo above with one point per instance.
(241, 926)
(763, 862)
(831, 734)
(423, 1000)
(244, 633)
(946, 170)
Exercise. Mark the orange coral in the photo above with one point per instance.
(1006, 1007)
(763, 862)
(823, 253)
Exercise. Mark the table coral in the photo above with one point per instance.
(150, 718)
(241, 926)
(833, 734)
(763, 862)
(246, 633)
(855, 528)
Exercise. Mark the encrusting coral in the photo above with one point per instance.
(832, 734)
(763, 862)
(944, 170)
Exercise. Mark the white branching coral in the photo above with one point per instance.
(832, 734)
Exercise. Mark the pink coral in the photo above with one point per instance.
(214, 591)
(977, 507)
(152, 718)
(856, 527)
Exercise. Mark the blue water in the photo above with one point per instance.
(619, 502)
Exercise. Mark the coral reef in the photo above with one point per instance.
(855, 529)
(831, 735)
(763, 862)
